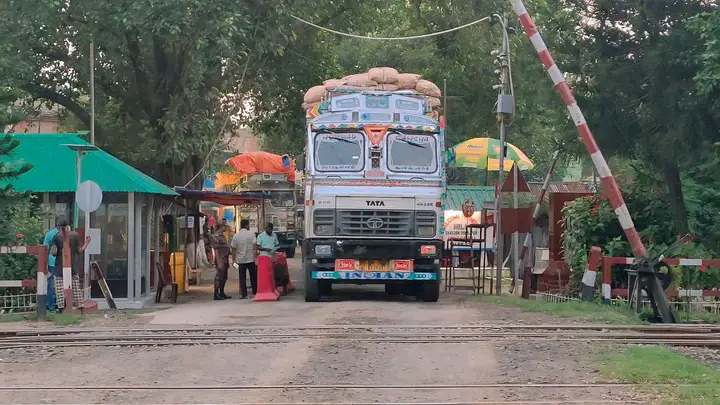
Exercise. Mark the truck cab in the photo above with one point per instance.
(373, 183)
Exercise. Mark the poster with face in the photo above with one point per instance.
(456, 221)
(468, 208)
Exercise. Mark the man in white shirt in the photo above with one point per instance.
(243, 252)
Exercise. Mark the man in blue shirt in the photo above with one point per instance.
(54, 249)
(267, 241)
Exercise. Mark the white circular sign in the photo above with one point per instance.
(88, 196)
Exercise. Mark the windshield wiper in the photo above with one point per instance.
(412, 143)
(337, 138)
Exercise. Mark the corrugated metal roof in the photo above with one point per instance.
(456, 196)
(53, 167)
(560, 187)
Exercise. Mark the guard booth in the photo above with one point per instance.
(126, 227)
(192, 226)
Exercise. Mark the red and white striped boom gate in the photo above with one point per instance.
(609, 261)
(648, 279)
(41, 252)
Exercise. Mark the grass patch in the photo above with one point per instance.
(660, 365)
(584, 311)
(58, 319)
(15, 317)
(704, 317)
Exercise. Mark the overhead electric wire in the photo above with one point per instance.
(432, 34)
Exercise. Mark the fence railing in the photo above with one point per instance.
(712, 307)
(557, 298)
(18, 303)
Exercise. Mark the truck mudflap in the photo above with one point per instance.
(374, 275)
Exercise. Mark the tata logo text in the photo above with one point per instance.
(374, 223)
(375, 203)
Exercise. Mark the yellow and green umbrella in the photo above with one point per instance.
(484, 153)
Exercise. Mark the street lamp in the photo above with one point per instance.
(80, 150)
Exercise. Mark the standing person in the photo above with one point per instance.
(243, 252)
(222, 261)
(267, 241)
(76, 264)
(53, 252)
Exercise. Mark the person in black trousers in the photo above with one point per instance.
(243, 253)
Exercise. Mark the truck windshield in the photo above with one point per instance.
(339, 152)
(411, 153)
(282, 199)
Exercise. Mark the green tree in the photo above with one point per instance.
(637, 78)
(163, 69)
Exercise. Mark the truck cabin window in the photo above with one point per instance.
(411, 153)
(339, 152)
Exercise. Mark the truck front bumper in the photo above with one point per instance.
(424, 265)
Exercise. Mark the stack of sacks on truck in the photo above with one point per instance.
(379, 78)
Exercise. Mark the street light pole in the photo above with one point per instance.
(505, 109)
(92, 92)
(80, 150)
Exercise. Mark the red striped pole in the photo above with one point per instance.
(67, 272)
(607, 279)
(562, 87)
(41, 252)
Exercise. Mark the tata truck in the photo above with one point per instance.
(373, 183)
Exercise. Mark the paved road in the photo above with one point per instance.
(315, 360)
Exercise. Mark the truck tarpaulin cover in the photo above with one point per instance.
(253, 163)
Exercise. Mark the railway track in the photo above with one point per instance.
(681, 335)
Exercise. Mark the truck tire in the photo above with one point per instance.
(312, 287)
(393, 289)
(324, 287)
(430, 290)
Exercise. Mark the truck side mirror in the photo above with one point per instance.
(300, 162)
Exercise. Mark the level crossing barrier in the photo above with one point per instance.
(609, 261)
(41, 253)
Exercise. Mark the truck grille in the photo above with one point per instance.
(374, 223)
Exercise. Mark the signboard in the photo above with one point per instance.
(94, 247)
(88, 196)
(377, 275)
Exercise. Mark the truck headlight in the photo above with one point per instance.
(323, 250)
(426, 231)
(323, 229)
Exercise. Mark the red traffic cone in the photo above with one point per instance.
(266, 282)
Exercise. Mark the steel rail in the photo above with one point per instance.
(670, 328)
(334, 387)
(164, 337)
(129, 343)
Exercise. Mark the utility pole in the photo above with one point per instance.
(505, 110)
(92, 92)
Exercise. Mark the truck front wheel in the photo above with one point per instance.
(430, 290)
(312, 288)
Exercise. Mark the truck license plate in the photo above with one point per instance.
(374, 265)
(402, 265)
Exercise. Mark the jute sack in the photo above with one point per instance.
(359, 80)
(331, 84)
(408, 81)
(314, 94)
(433, 102)
(383, 75)
(387, 87)
(428, 88)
